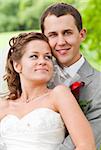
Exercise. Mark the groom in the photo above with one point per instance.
(62, 24)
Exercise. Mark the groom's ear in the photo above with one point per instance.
(83, 33)
(17, 67)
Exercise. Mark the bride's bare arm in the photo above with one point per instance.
(74, 119)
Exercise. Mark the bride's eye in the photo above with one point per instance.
(33, 56)
(48, 57)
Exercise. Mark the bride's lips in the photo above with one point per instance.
(41, 69)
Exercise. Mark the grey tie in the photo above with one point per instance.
(71, 80)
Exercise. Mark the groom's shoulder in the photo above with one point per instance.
(88, 68)
(88, 73)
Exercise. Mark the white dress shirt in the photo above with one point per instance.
(73, 69)
(68, 75)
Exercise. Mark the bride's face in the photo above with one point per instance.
(36, 63)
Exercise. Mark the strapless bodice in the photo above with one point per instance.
(41, 129)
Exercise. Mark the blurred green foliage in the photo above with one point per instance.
(19, 15)
(92, 21)
(24, 14)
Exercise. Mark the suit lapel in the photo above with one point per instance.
(85, 72)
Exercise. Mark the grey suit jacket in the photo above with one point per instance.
(91, 91)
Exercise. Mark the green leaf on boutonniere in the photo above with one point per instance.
(84, 104)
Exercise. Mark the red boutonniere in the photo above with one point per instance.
(76, 87)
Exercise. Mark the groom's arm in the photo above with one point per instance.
(94, 116)
(94, 112)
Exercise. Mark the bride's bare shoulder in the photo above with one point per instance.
(61, 88)
(60, 91)
(3, 103)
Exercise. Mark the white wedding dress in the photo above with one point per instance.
(41, 129)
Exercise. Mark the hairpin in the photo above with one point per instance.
(12, 50)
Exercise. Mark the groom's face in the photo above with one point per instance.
(64, 38)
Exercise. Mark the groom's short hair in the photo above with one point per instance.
(61, 9)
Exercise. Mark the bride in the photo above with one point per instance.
(32, 116)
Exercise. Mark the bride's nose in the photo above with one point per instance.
(42, 61)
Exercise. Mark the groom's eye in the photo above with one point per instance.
(67, 32)
(52, 35)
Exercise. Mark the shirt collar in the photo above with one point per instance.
(73, 69)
